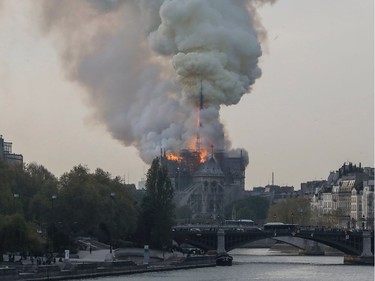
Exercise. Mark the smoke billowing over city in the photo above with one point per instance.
(156, 72)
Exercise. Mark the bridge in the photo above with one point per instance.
(354, 243)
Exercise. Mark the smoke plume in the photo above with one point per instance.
(145, 62)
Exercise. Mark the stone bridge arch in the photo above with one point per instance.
(354, 243)
(309, 247)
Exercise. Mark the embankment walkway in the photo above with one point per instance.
(100, 263)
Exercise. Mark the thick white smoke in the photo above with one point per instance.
(143, 63)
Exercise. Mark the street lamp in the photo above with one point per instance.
(292, 218)
(15, 196)
(111, 230)
(53, 197)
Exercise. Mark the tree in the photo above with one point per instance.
(157, 208)
(11, 176)
(101, 206)
(18, 235)
(292, 210)
(39, 186)
(79, 203)
(252, 207)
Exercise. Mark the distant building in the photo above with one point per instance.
(272, 188)
(356, 207)
(205, 185)
(348, 195)
(7, 155)
(368, 203)
(279, 193)
(327, 205)
(258, 189)
(308, 189)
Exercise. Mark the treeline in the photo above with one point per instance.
(40, 213)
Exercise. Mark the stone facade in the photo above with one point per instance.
(348, 195)
(7, 155)
(206, 187)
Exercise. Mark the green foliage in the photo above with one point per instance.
(87, 198)
(10, 183)
(157, 219)
(18, 235)
(292, 210)
(252, 207)
(39, 187)
(331, 219)
(79, 203)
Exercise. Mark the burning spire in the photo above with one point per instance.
(201, 101)
(198, 142)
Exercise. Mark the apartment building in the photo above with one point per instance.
(7, 155)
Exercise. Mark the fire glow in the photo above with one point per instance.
(203, 155)
(172, 157)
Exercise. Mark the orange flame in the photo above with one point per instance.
(192, 143)
(172, 157)
(203, 155)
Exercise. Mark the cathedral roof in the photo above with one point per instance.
(210, 168)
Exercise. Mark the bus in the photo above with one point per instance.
(241, 223)
(279, 226)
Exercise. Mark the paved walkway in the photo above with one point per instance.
(94, 256)
(135, 254)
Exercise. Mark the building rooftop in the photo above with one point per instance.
(210, 168)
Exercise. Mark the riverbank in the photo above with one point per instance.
(81, 269)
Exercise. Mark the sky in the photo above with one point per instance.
(310, 111)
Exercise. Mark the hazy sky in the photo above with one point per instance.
(311, 111)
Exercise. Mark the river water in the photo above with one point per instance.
(263, 264)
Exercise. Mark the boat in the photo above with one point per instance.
(224, 259)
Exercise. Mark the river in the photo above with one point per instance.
(263, 264)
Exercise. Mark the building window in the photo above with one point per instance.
(8, 147)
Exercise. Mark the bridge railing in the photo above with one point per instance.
(330, 229)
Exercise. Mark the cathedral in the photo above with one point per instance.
(205, 185)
